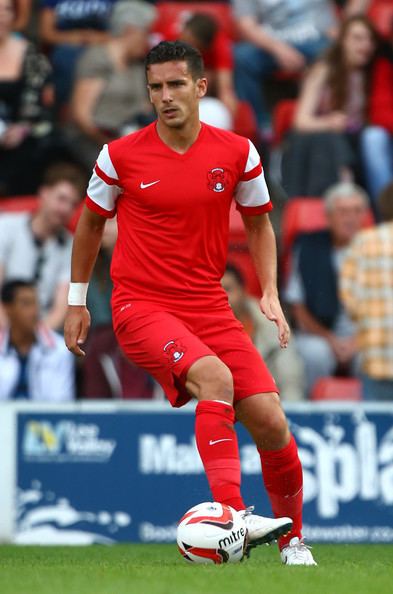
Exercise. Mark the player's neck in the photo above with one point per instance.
(179, 139)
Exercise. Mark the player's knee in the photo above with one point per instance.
(210, 379)
(273, 433)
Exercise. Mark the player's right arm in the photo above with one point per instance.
(87, 241)
(102, 193)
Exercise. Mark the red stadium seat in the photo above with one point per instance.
(300, 215)
(168, 12)
(18, 203)
(381, 14)
(337, 388)
(283, 115)
(245, 122)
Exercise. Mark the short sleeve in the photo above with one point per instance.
(251, 193)
(103, 189)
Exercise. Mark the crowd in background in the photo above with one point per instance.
(309, 81)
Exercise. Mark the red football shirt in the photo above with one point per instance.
(173, 213)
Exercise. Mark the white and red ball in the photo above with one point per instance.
(211, 532)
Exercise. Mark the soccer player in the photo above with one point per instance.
(171, 185)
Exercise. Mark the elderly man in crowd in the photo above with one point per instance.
(324, 331)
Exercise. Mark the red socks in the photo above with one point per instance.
(283, 478)
(217, 445)
(218, 448)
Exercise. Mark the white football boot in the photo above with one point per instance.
(297, 553)
(261, 530)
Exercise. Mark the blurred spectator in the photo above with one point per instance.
(106, 372)
(37, 246)
(34, 362)
(201, 30)
(377, 139)
(282, 35)
(285, 364)
(332, 110)
(324, 332)
(68, 26)
(367, 293)
(110, 95)
(25, 116)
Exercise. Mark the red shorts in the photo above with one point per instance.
(166, 344)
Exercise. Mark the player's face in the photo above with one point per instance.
(174, 93)
(346, 218)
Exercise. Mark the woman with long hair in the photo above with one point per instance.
(332, 110)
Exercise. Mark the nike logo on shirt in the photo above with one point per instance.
(143, 186)
(212, 442)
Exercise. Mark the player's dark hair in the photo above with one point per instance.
(203, 26)
(235, 271)
(385, 203)
(176, 51)
(11, 288)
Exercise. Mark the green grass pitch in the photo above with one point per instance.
(159, 569)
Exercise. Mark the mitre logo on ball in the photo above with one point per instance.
(217, 179)
(212, 532)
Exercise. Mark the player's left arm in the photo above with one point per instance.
(262, 246)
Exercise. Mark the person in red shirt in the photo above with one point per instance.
(171, 185)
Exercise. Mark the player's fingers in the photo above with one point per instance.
(76, 350)
(283, 332)
(83, 334)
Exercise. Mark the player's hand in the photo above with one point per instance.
(271, 308)
(76, 327)
(288, 58)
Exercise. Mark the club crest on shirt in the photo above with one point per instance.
(174, 351)
(217, 179)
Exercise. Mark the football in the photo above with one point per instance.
(212, 533)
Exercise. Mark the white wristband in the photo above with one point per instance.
(77, 293)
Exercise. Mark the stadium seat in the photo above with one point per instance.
(283, 114)
(168, 12)
(337, 388)
(300, 215)
(381, 14)
(245, 122)
(18, 203)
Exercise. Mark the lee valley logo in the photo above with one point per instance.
(65, 441)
